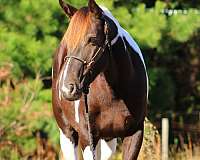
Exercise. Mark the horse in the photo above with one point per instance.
(97, 57)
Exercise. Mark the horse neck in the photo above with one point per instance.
(120, 69)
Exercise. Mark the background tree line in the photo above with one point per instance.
(31, 30)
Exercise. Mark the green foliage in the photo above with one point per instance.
(107, 3)
(29, 111)
(44, 95)
(27, 37)
(148, 25)
(162, 83)
(124, 20)
(77, 3)
(13, 155)
(182, 27)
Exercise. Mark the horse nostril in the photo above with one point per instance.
(70, 88)
(70, 92)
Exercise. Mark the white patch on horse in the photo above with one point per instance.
(63, 77)
(64, 119)
(87, 154)
(115, 39)
(69, 151)
(59, 92)
(108, 148)
(76, 105)
(103, 151)
(124, 34)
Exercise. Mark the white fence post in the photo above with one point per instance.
(165, 138)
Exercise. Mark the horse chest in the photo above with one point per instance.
(115, 120)
(110, 116)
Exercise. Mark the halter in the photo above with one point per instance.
(96, 57)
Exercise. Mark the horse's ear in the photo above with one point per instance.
(94, 8)
(69, 10)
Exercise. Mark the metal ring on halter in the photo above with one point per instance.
(74, 57)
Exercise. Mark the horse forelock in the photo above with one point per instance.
(77, 28)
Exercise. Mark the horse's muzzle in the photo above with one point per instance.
(70, 92)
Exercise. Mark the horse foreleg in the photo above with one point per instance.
(108, 148)
(103, 150)
(132, 145)
(69, 148)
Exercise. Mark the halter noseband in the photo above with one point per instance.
(94, 58)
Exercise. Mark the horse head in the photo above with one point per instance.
(87, 45)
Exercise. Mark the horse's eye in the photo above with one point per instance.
(92, 40)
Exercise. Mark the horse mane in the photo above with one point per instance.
(77, 28)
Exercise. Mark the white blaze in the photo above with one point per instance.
(63, 77)
(76, 105)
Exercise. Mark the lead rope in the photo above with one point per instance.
(87, 110)
(91, 138)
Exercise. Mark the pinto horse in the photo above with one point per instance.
(97, 54)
